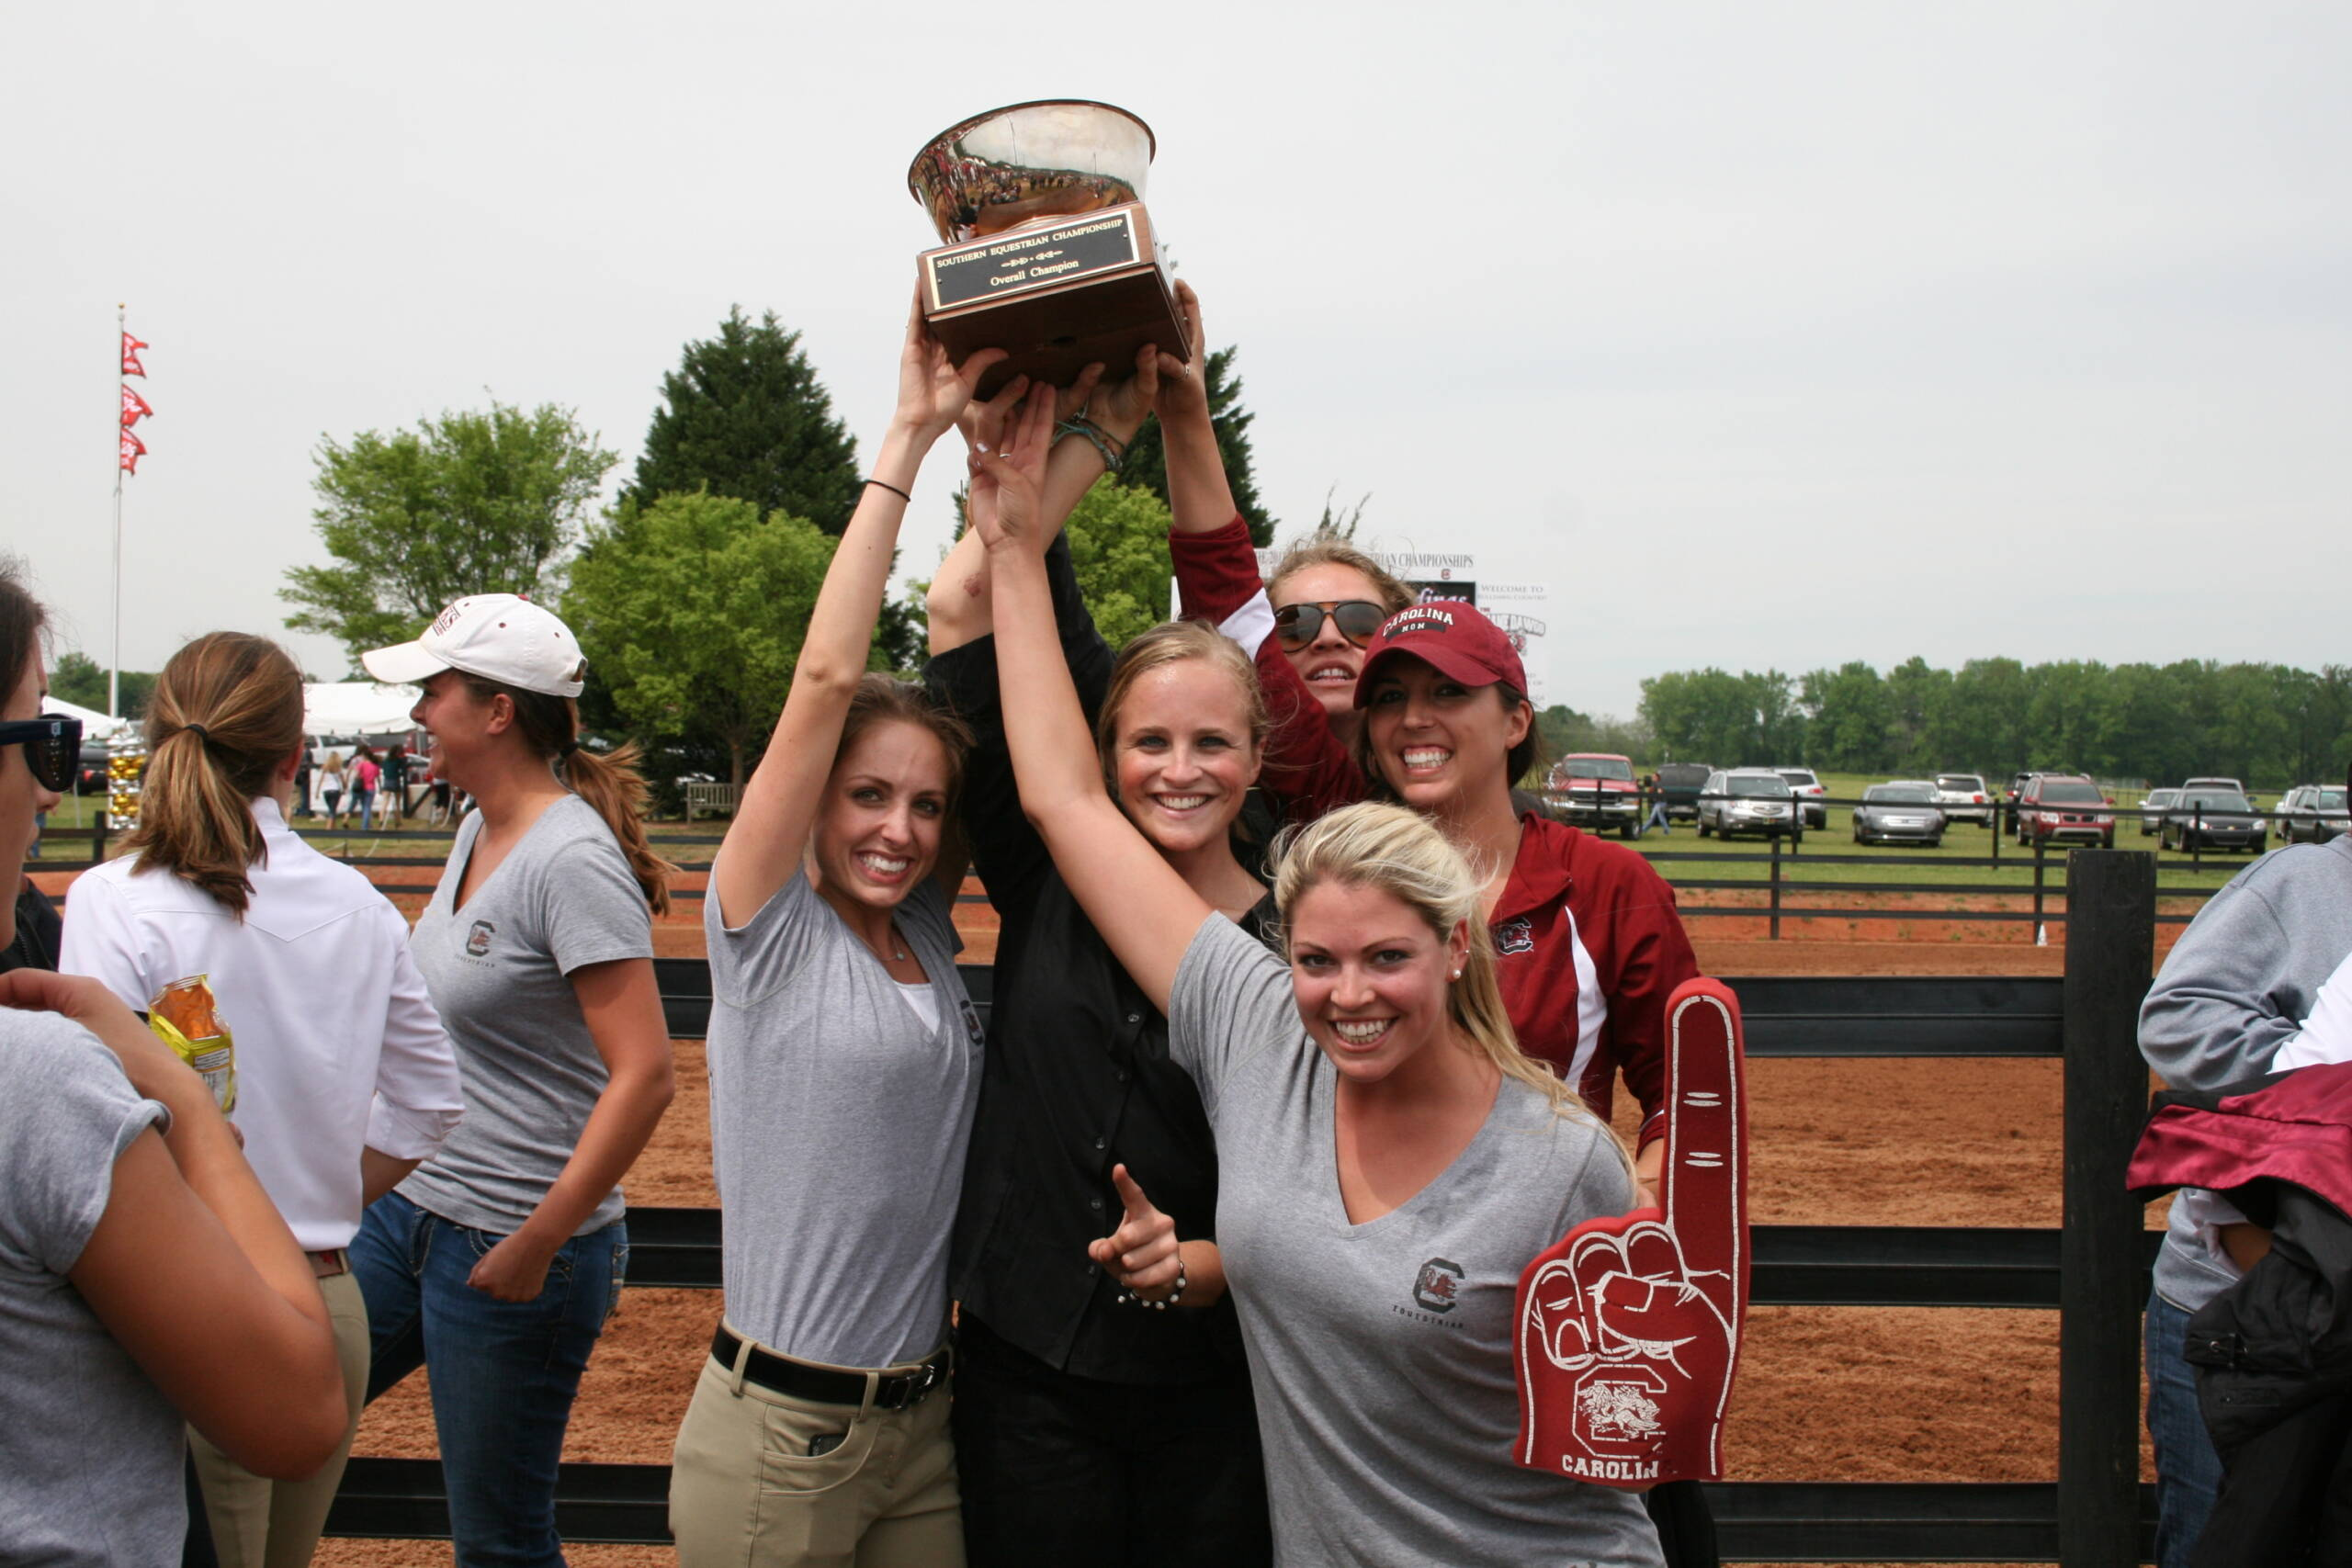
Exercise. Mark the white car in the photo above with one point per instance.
(1809, 791)
(1964, 797)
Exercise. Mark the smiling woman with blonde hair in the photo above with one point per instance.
(1090, 1418)
(1387, 1166)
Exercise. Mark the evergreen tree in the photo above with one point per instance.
(1146, 463)
(743, 415)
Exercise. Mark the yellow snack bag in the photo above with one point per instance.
(185, 1017)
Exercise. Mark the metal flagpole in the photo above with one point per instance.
(114, 670)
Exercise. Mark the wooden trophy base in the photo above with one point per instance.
(1057, 297)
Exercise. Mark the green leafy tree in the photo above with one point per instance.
(691, 611)
(466, 503)
(1146, 463)
(1913, 688)
(744, 415)
(1564, 730)
(1849, 709)
(1118, 542)
(81, 681)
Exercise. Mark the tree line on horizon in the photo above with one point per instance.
(689, 593)
(2271, 723)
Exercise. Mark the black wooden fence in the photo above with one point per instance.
(2094, 1271)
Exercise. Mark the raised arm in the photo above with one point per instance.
(958, 605)
(1198, 493)
(765, 844)
(1142, 907)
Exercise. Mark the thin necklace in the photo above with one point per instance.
(895, 952)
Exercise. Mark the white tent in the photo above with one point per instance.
(95, 726)
(345, 709)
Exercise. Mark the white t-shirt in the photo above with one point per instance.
(338, 1044)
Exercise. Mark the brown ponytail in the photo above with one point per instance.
(226, 714)
(608, 782)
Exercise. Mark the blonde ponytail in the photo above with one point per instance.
(225, 717)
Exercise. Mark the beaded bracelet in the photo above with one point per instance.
(1110, 446)
(1128, 1298)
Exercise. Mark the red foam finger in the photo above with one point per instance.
(1651, 1250)
(1705, 1187)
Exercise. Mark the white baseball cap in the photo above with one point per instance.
(499, 637)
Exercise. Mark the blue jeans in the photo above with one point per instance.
(367, 802)
(2188, 1470)
(504, 1374)
(1658, 820)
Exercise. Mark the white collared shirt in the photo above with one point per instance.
(337, 1042)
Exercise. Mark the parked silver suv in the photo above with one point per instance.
(1747, 800)
(2313, 814)
(1808, 790)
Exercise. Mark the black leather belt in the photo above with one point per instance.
(827, 1385)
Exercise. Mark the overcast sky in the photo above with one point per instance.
(1766, 334)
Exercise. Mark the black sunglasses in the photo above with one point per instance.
(1298, 625)
(52, 746)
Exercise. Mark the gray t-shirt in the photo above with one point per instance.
(499, 969)
(1382, 1353)
(89, 1449)
(838, 1124)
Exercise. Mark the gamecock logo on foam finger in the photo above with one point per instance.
(1629, 1325)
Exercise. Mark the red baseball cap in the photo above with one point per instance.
(1452, 638)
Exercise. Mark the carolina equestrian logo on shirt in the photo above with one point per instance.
(1434, 1288)
(478, 939)
(1514, 935)
(972, 1030)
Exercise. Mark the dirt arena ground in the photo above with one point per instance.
(1824, 1393)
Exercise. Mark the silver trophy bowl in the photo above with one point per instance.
(1034, 163)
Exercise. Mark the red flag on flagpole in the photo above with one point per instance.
(131, 347)
(132, 450)
(134, 408)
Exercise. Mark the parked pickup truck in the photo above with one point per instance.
(1595, 790)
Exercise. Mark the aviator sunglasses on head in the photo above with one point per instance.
(1298, 625)
(52, 746)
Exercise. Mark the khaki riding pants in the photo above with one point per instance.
(744, 1489)
(260, 1523)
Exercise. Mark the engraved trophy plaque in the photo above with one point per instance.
(1049, 253)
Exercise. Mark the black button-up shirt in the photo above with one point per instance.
(1076, 1079)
